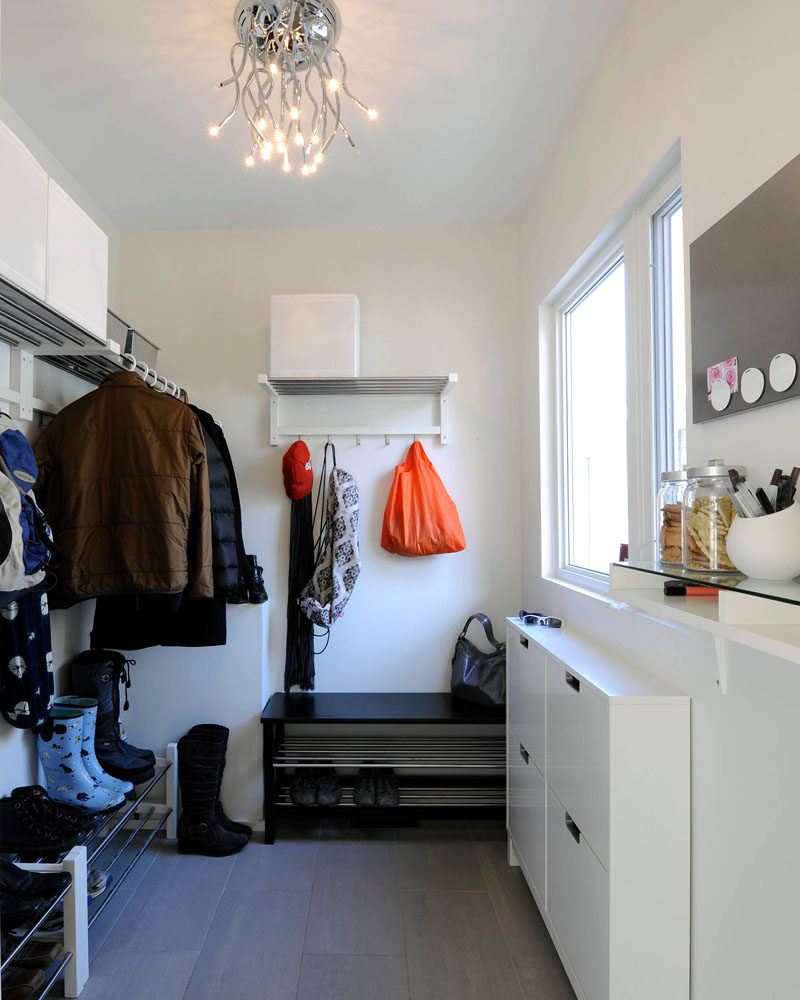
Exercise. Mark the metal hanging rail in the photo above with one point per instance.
(372, 385)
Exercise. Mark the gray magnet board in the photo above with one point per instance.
(745, 290)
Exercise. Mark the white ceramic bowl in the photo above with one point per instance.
(768, 547)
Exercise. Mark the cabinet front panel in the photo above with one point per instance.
(23, 211)
(578, 901)
(578, 753)
(527, 805)
(526, 692)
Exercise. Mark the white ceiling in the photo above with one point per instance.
(471, 98)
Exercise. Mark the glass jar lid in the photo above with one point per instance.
(674, 476)
(715, 467)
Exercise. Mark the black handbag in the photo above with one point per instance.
(479, 677)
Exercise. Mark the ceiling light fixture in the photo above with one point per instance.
(283, 59)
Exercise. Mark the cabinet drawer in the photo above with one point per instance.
(526, 692)
(578, 900)
(527, 811)
(578, 752)
(23, 210)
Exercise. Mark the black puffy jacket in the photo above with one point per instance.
(227, 545)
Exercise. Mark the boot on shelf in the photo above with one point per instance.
(23, 831)
(221, 733)
(88, 709)
(59, 741)
(96, 673)
(257, 593)
(200, 757)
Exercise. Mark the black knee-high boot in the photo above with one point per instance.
(221, 733)
(200, 757)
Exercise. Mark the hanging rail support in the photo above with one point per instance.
(444, 408)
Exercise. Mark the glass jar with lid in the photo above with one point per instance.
(670, 517)
(708, 512)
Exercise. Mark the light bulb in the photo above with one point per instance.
(304, 170)
(266, 151)
(333, 84)
(262, 124)
(294, 114)
(286, 167)
(314, 139)
(249, 161)
(273, 68)
(214, 130)
(318, 158)
(281, 147)
(313, 168)
(372, 113)
(299, 140)
(278, 135)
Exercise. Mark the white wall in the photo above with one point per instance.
(722, 78)
(433, 300)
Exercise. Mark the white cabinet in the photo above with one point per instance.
(77, 264)
(23, 215)
(605, 848)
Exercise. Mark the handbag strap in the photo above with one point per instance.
(487, 628)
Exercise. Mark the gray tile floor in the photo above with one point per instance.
(329, 913)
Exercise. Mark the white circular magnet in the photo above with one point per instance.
(720, 394)
(782, 372)
(751, 385)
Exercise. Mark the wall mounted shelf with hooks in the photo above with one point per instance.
(410, 385)
(33, 330)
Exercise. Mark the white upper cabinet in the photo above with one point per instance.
(23, 216)
(77, 264)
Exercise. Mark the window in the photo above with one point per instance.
(615, 410)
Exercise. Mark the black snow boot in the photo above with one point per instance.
(257, 593)
(200, 762)
(220, 733)
(96, 673)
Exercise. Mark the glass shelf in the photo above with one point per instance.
(787, 591)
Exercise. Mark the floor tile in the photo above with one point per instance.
(518, 914)
(344, 830)
(355, 903)
(455, 949)
(439, 865)
(543, 977)
(132, 975)
(488, 831)
(103, 925)
(253, 948)
(435, 829)
(174, 906)
(283, 867)
(290, 829)
(353, 977)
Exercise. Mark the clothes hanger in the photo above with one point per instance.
(132, 359)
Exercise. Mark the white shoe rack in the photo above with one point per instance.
(133, 818)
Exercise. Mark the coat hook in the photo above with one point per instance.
(358, 440)
(415, 439)
(329, 439)
(386, 440)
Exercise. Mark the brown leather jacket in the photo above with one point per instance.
(124, 484)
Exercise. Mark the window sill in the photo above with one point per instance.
(598, 590)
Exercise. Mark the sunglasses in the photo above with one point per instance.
(537, 618)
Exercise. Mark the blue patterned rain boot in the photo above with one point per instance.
(88, 708)
(59, 741)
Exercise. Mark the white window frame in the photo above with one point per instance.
(629, 236)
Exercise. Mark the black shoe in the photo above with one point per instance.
(364, 789)
(303, 789)
(200, 757)
(55, 814)
(221, 733)
(16, 881)
(23, 832)
(17, 911)
(386, 791)
(257, 593)
(328, 789)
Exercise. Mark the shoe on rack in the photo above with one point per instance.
(19, 983)
(303, 789)
(365, 787)
(97, 881)
(20, 911)
(256, 591)
(37, 954)
(386, 791)
(200, 758)
(15, 881)
(221, 733)
(23, 832)
(328, 789)
(51, 813)
(88, 709)
(58, 741)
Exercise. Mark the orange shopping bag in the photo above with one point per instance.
(420, 518)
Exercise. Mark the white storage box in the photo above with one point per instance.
(314, 336)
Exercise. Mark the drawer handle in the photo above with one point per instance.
(572, 826)
(524, 640)
(524, 754)
(572, 681)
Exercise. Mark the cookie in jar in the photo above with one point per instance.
(670, 518)
(708, 512)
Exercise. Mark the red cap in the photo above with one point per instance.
(297, 475)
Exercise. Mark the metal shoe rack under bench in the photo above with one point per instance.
(463, 758)
(106, 843)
